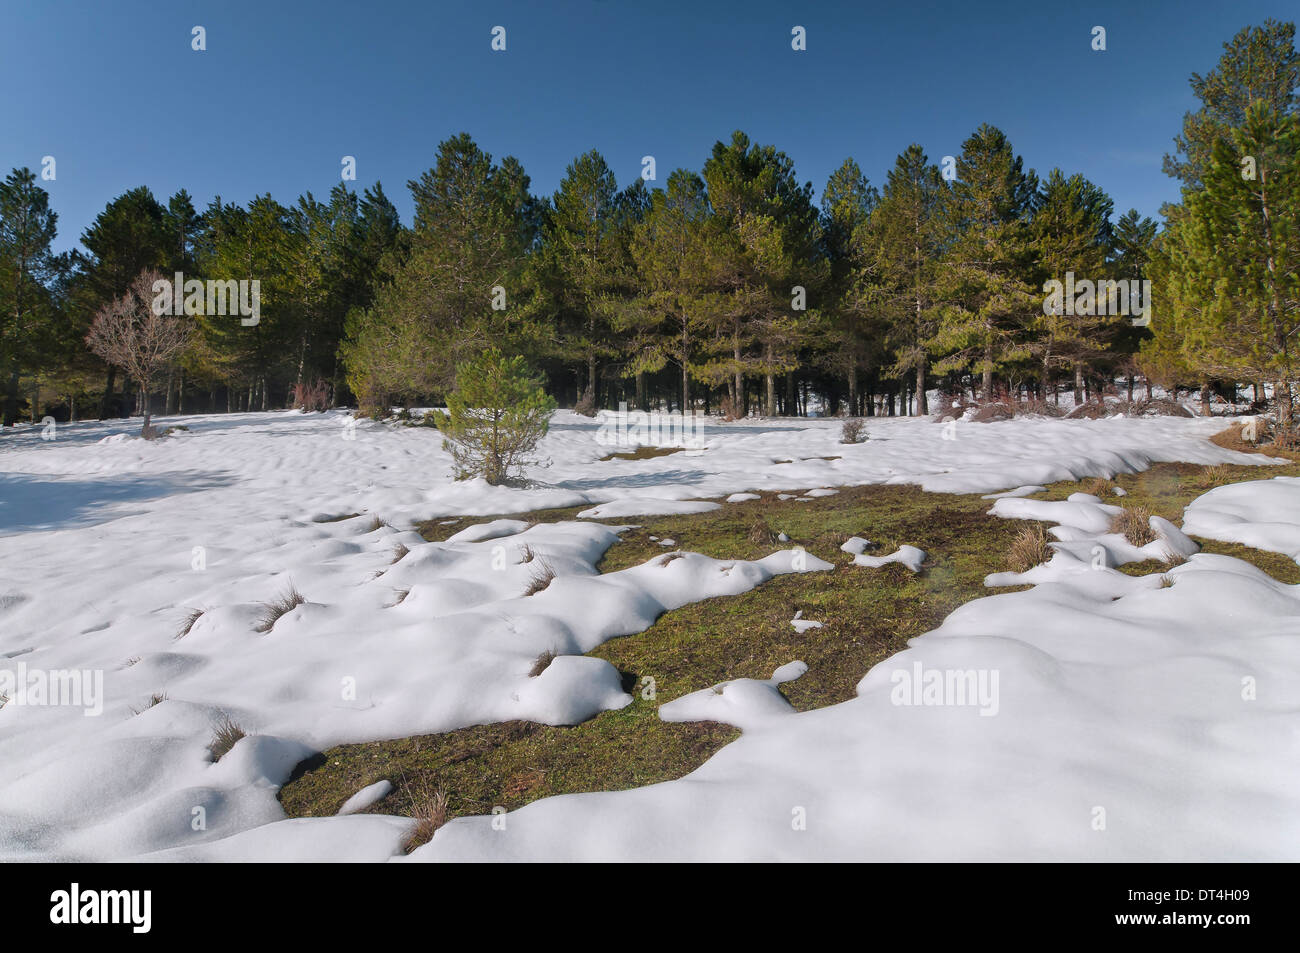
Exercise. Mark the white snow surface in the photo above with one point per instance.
(1261, 513)
(107, 541)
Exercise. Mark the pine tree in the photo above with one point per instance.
(761, 244)
(847, 204)
(988, 303)
(495, 416)
(667, 247)
(27, 262)
(902, 245)
(1259, 64)
(1072, 234)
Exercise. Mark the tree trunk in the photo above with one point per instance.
(1206, 410)
(107, 401)
(922, 404)
(1078, 383)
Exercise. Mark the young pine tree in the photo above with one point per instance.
(495, 417)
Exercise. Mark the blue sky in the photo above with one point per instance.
(114, 92)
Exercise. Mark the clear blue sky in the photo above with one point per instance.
(113, 91)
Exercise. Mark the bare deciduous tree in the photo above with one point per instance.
(129, 334)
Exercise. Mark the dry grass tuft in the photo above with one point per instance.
(541, 578)
(761, 534)
(1172, 558)
(1166, 582)
(399, 551)
(429, 809)
(187, 622)
(1029, 549)
(224, 737)
(541, 664)
(1134, 524)
(526, 553)
(1211, 477)
(401, 594)
(669, 558)
(273, 610)
(157, 698)
(1097, 486)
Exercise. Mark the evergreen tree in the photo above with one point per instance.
(847, 204)
(668, 249)
(27, 263)
(988, 303)
(1072, 233)
(902, 245)
(1259, 65)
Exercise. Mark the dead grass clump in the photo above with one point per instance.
(990, 412)
(1134, 524)
(526, 554)
(669, 558)
(1172, 558)
(277, 607)
(187, 622)
(429, 810)
(224, 737)
(1032, 547)
(541, 664)
(761, 534)
(1096, 486)
(1214, 476)
(157, 698)
(541, 578)
(401, 594)
(399, 551)
(853, 431)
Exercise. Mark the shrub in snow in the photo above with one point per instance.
(311, 397)
(495, 417)
(853, 431)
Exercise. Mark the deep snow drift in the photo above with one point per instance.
(1130, 704)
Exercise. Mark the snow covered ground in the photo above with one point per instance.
(1093, 692)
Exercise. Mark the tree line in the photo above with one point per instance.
(726, 289)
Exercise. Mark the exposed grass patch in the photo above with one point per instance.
(224, 737)
(399, 551)
(401, 595)
(641, 453)
(869, 615)
(337, 519)
(277, 607)
(709, 643)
